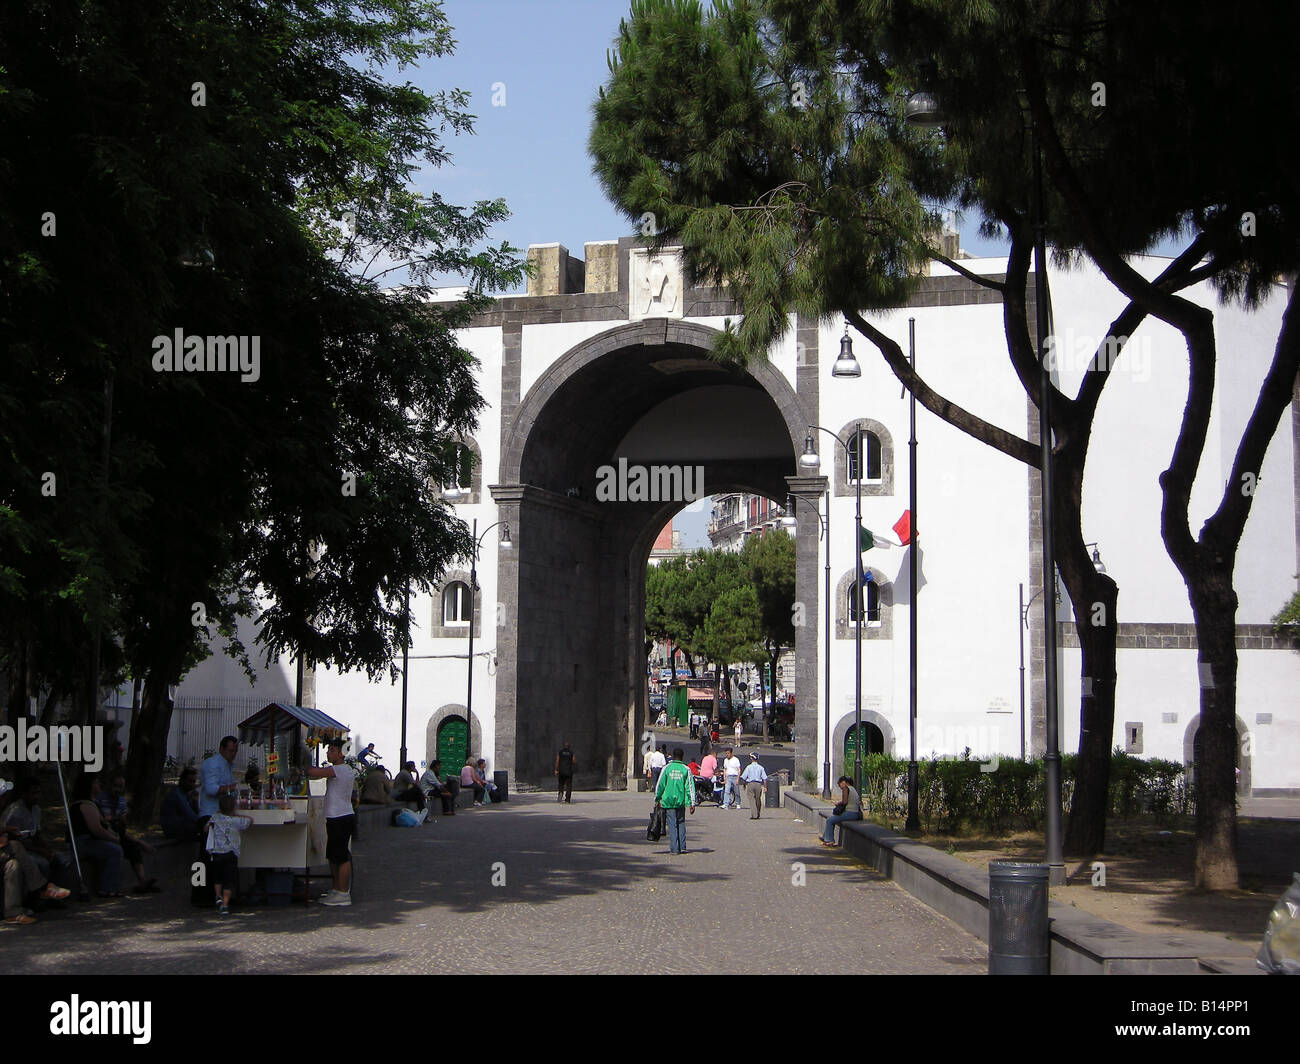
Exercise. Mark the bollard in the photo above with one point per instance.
(502, 779)
(1019, 943)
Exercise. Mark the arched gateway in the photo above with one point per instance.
(643, 394)
(603, 412)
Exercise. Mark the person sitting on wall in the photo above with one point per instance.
(180, 809)
(433, 785)
(469, 777)
(112, 812)
(405, 788)
(95, 840)
(375, 789)
(481, 769)
(23, 821)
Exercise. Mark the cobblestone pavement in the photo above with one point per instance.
(583, 892)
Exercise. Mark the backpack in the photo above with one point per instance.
(566, 763)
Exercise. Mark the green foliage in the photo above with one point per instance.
(224, 219)
(1288, 617)
(731, 630)
(955, 795)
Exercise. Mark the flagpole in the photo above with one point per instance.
(913, 783)
(857, 631)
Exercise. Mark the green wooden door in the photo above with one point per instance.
(451, 745)
(873, 741)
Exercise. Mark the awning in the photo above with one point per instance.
(320, 728)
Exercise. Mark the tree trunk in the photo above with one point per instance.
(1085, 830)
(144, 763)
(1095, 598)
(1214, 609)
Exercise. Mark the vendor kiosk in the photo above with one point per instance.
(288, 831)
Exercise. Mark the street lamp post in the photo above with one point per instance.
(824, 531)
(913, 775)
(1052, 756)
(811, 462)
(406, 637)
(473, 586)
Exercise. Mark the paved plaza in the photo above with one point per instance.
(584, 892)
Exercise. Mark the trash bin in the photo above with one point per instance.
(773, 793)
(1019, 943)
(502, 779)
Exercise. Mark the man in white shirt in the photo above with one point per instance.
(731, 780)
(340, 821)
(657, 762)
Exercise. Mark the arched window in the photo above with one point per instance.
(873, 604)
(462, 480)
(463, 483)
(866, 464)
(865, 439)
(455, 603)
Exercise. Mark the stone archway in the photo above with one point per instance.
(1244, 752)
(443, 713)
(572, 662)
(845, 724)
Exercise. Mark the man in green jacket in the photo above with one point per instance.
(674, 792)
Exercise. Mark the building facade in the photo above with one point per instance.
(605, 417)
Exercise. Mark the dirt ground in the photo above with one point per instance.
(1148, 875)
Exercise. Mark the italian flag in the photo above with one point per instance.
(903, 528)
(867, 540)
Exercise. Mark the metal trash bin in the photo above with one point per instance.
(1019, 941)
(772, 794)
(502, 779)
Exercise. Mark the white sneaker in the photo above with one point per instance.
(338, 899)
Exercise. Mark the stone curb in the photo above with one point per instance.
(1081, 944)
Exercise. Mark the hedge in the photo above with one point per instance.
(955, 794)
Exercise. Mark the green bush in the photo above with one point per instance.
(954, 794)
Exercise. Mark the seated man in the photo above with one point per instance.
(405, 788)
(11, 901)
(112, 813)
(480, 770)
(32, 883)
(432, 783)
(374, 791)
(23, 821)
(180, 809)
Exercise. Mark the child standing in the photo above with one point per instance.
(223, 849)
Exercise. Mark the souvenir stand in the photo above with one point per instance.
(288, 829)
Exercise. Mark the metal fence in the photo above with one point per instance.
(198, 725)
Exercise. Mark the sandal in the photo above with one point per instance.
(111, 894)
(53, 892)
(20, 918)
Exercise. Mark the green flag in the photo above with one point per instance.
(867, 541)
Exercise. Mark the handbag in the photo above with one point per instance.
(839, 809)
(658, 824)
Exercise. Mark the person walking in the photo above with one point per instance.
(738, 729)
(730, 779)
(675, 792)
(754, 778)
(565, 763)
(848, 808)
(340, 821)
(658, 760)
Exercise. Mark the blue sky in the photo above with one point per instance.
(550, 58)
